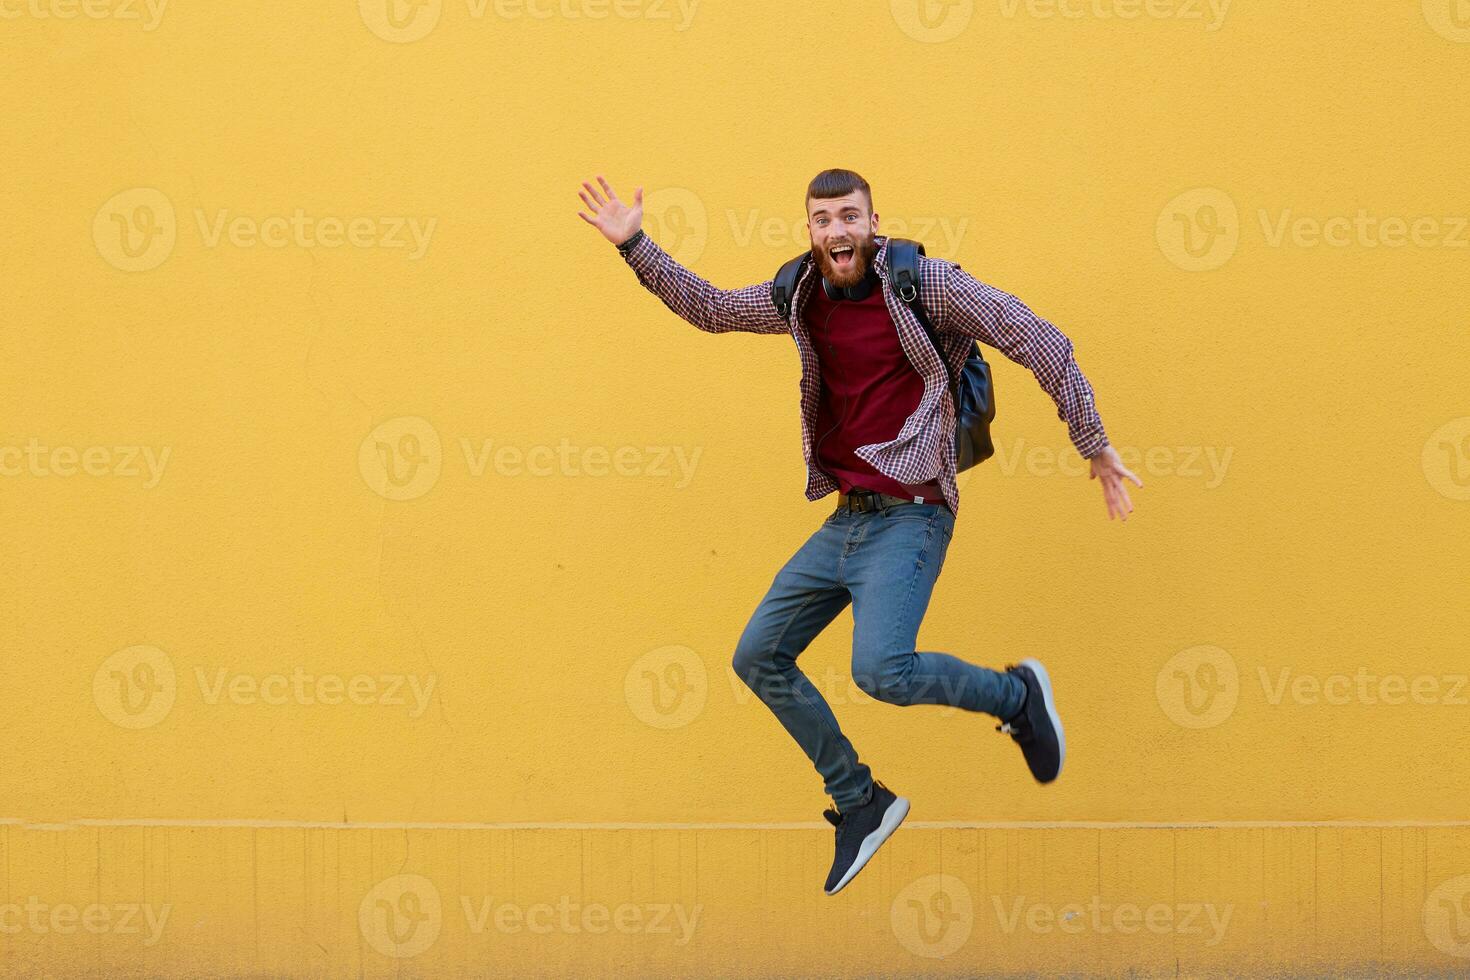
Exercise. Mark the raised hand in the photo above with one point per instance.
(1108, 467)
(617, 221)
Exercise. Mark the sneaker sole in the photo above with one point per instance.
(1051, 709)
(892, 817)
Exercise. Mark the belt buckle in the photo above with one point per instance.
(867, 500)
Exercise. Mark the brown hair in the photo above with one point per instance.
(837, 183)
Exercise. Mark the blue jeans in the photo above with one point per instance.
(884, 562)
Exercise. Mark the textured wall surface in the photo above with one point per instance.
(376, 545)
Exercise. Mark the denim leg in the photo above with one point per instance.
(802, 600)
(891, 577)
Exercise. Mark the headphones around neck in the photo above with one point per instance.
(856, 292)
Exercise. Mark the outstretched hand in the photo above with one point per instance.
(617, 221)
(1109, 468)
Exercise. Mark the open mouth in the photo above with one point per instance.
(842, 256)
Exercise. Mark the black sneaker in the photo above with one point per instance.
(1036, 727)
(861, 831)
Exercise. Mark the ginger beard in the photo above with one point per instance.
(846, 268)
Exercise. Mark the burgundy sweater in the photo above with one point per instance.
(869, 388)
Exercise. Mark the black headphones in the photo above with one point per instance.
(859, 291)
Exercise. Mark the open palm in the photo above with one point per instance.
(617, 221)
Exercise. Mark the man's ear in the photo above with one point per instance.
(875, 222)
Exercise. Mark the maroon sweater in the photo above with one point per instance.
(869, 388)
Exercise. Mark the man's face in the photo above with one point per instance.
(842, 231)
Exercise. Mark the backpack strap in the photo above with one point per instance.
(903, 269)
(783, 287)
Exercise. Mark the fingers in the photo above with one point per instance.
(638, 196)
(605, 186)
(596, 196)
(1117, 497)
(596, 209)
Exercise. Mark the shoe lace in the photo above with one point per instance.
(1019, 727)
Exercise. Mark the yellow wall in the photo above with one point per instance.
(317, 715)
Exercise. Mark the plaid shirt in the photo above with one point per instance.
(962, 309)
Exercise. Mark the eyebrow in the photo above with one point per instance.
(845, 207)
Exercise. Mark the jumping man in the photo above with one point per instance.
(878, 427)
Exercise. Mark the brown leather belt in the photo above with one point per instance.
(866, 500)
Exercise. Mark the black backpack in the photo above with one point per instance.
(974, 398)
